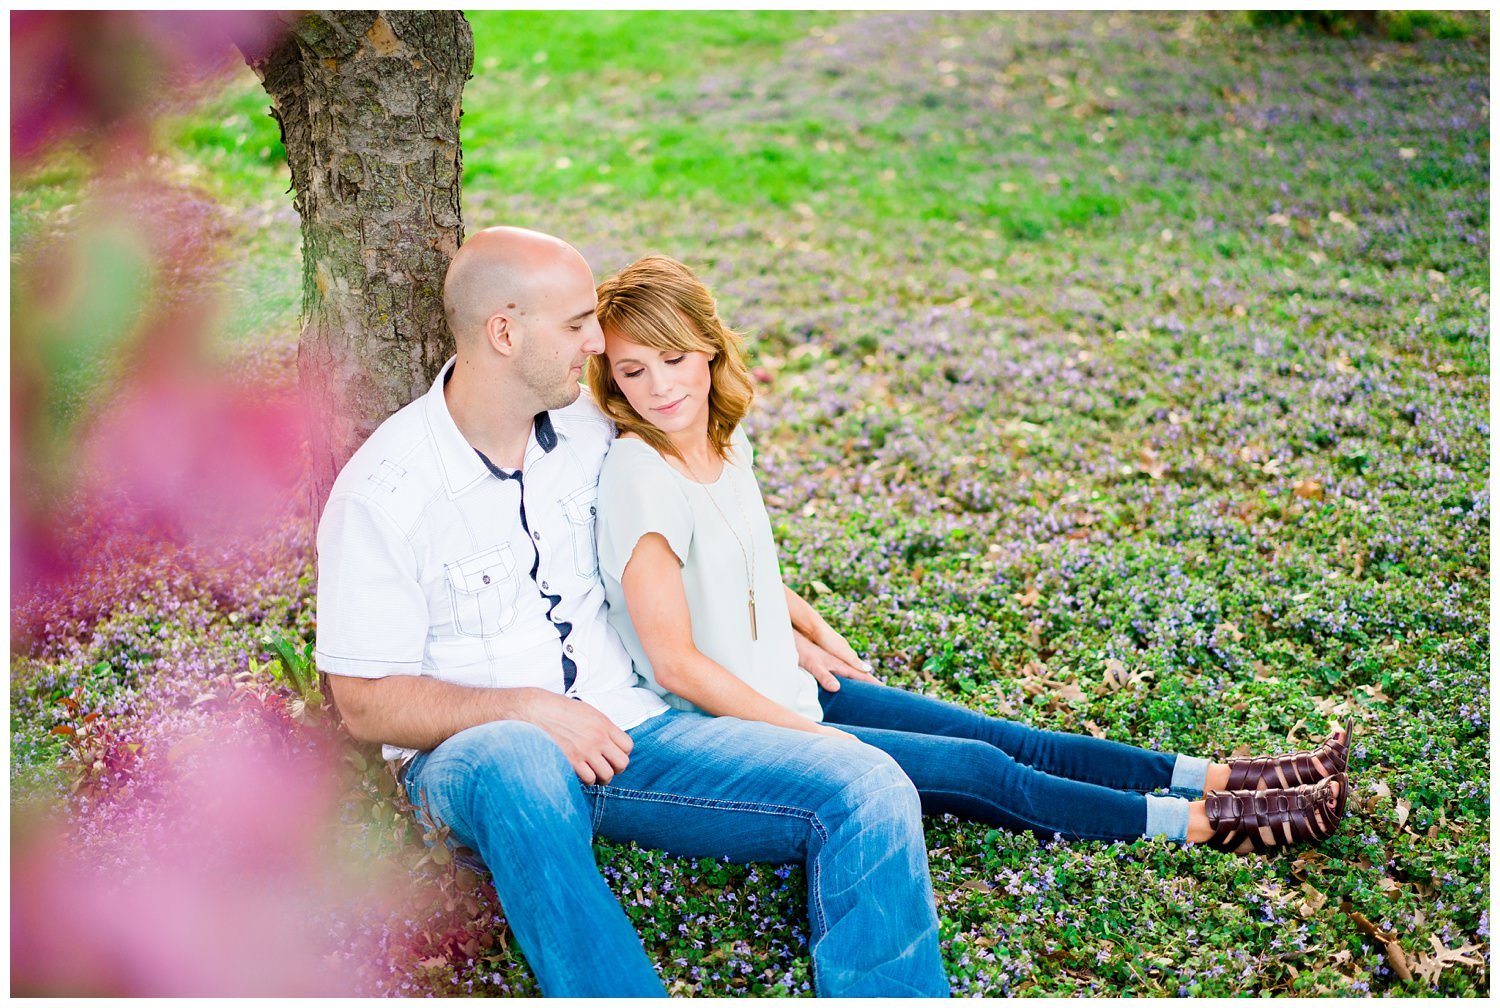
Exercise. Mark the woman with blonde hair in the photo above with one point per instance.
(695, 592)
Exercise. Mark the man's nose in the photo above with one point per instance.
(593, 342)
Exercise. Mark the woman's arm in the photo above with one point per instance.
(831, 655)
(658, 607)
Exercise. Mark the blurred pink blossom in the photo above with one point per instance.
(96, 76)
(226, 879)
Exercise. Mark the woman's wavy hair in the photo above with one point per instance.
(659, 303)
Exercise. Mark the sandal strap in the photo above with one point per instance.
(1290, 816)
(1292, 769)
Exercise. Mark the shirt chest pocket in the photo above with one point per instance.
(579, 507)
(483, 590)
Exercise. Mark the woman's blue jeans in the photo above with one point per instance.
(695, 787)
(1007, 774)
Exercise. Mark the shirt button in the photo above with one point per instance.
(537, 536)
(569, 649)
(546, 586)
(486, 579)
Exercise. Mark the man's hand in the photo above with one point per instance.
(826, 667)
(420, 712)
(597, 749)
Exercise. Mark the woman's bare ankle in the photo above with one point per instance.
(1198, 830)
(1217, 778)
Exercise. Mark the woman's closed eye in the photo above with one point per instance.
(640, 371)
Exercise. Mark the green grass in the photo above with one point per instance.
(537, 116)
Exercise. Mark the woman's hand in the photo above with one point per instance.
(826, 667)
(833, 642)
(823, 729)
(822, 650)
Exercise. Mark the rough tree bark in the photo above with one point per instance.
(369, 104)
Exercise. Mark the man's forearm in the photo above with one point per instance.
(419, 712)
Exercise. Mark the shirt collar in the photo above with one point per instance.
(461, 465)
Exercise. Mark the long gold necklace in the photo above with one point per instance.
(749, 555)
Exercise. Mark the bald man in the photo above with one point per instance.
(461, 621)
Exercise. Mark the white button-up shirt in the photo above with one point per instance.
(432, 561)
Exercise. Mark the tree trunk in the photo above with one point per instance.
(369, 104)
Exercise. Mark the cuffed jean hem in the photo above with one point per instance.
(1167, 816)
(1189, 777)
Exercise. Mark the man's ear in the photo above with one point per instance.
(499, 333)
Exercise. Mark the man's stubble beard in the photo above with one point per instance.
(566, 397)
(551, 395)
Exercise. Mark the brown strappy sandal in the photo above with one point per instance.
(1292, 769)
(1274, 817)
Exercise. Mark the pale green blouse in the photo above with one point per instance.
(640, 493)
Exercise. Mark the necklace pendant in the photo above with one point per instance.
(752, 616)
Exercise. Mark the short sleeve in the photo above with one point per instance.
(638, 495)
(372, 612)
(740, 442)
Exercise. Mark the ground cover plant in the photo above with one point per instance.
(1117, 373)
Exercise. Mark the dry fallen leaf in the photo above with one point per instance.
(1308, 489)
(1150, 464)
(1429, 967)
(1272, 891)
(1342, 221)
(1034, 681)
(1069, 691)
(1034, 634)
(1231, 631)
(1334, 710)
(1313, 902)
(1117, 677)
(1394, 953)
(1029, 597)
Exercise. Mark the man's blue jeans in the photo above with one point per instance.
(696, 787)
(1007, 774)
